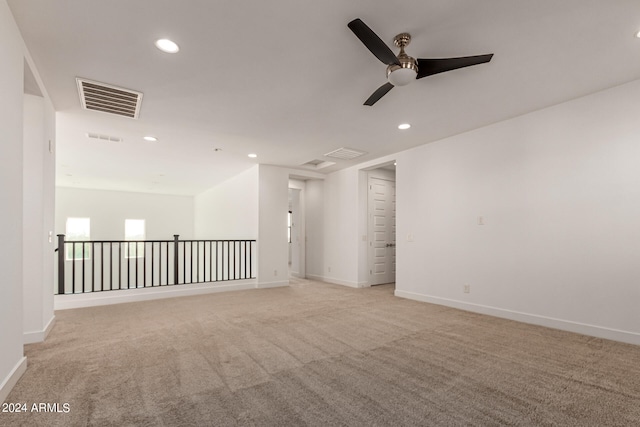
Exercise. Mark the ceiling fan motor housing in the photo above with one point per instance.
(406, 72)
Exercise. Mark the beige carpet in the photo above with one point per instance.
(320, 355)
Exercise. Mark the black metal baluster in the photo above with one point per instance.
(102, 266)
(73, 267)
(250, 261)
(110, 266)
(204, 260)
(83, 262)
(119, 265)
(127, 253)
(93, 276)
(135, 259)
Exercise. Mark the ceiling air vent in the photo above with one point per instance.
(318, 164)
(109, 99)
(104, 137)
(344, 153)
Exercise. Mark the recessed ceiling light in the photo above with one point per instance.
(404, 126)
(253, 156)
(638, 34)
(167, 46)
(150, 138)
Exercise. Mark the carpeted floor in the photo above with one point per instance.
(320, 355)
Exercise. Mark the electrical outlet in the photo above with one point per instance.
(467, 288)
(480, 220)
(275, 272)
(329, 269)
(409, 237)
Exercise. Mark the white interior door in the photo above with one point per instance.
(382, 231)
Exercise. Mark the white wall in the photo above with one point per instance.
(164, 215)
(230, 209)
(38, 189)
(315, 264)
(559, 193)
(12, 361)
(344, 216)
(273, 195)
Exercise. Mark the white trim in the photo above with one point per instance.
(39, 336)
(549, 322)
(92, 299)
(10, 381)
(272, 284)
(339, 281)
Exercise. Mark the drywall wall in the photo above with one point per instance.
(342, 246)
(164, 215)
(38, 212)
(12, 361)
(230, 209)
(272, 226)
(538, 216)
(314, 219)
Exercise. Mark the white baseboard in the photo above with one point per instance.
(272, 284)
(10, 381)
(338, 281)
(39, 336)
(92, 299)
(534, 319)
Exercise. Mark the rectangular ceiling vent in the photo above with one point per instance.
(104, 137)
(345, 153)
(318, 164)
(109, 99)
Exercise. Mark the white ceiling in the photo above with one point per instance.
(286, 79)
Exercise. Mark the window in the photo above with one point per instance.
(134, 229)
(78, 230)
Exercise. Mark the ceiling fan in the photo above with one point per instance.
(403, 69)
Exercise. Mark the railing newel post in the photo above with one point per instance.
(61, 259)
(176, 260)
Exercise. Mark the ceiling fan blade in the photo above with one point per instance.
(373, 42)
(429, 67)
(379, 93)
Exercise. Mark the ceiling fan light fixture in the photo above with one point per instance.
(402, 76)
(167, 46)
